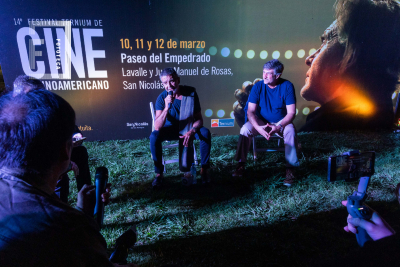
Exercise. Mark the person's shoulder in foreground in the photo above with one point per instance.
(40, 230)
(36, 228)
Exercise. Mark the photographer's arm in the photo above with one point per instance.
(376, 228)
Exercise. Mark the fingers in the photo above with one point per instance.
(186, 139)
(106, 196)
(108, 187)
(86, 188)
(344, 203)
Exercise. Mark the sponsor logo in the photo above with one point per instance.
(137, 125)
(222, 122)
(85, 128)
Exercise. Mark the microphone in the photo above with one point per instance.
(101, 182)
(122, 245)
(169, 104)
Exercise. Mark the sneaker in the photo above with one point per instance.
(290, 177)
(157, 182)
(240, 168)
(205, 176)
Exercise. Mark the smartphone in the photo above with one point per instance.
(350, 166)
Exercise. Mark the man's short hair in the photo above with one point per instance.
(275, 65)
(370, 32)
(169, 71)
(24, 83)
(34, 127)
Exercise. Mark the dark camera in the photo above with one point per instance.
(351, 165)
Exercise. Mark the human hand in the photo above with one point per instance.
(105, 197)
(264, 131)
(273, 129)
(87, 199)
(376, 227)
(75, 168)
(169, 99)
(188, 138)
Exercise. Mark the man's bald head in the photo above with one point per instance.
(24, 84)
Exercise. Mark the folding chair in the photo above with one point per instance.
(164, 162)
(267, 149)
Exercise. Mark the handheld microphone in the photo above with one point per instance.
(122, 245)
(169, 104)
(101, 182)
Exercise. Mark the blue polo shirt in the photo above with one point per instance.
(272, 102)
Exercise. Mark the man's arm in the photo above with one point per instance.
(197, 124)
(251, 115)
(161, 115)
(291, 114)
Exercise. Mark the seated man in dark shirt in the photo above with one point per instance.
(168, 125)
(79, 157)
(36, 227)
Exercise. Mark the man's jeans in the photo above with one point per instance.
(289, 136)
(172, 133)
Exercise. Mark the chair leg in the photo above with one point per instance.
(254, 149)
(163, 163)
(195, 155)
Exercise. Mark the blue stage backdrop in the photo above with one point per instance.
(111, 71)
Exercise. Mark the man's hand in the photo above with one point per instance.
(105, 197)
(167, 100)
(188, 138)
(264, 131)
(376, 228)
(273, 129)
(87, 198)
(75, 168)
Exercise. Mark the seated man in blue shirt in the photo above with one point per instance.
(271, 110)
(168, 125)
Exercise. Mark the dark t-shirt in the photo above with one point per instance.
(272, 102)
(174, 112)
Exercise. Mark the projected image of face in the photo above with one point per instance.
(170, 82)
(322, 78)
(270, 77)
